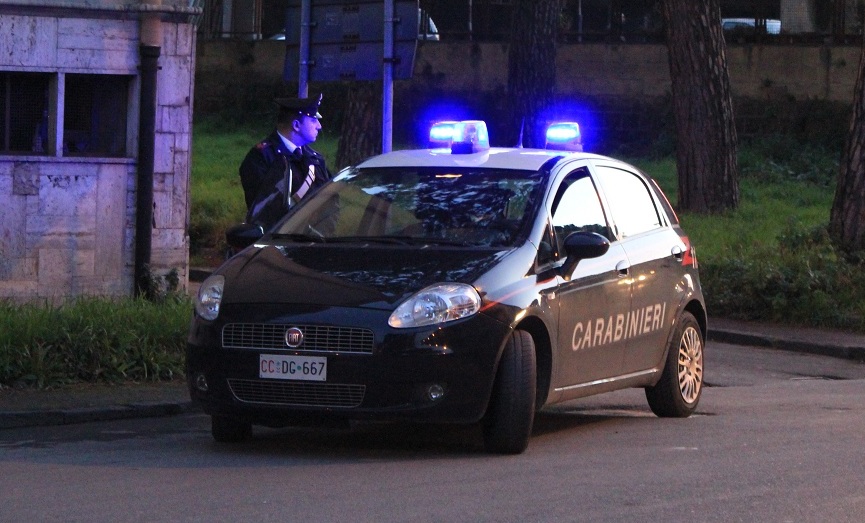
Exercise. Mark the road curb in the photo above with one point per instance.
(19, 419)
(835, 350)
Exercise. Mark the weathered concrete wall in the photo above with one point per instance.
(67, 224)
(630, 72)
(634, 72)
(619, 93)
(65, 228)
(800, 72)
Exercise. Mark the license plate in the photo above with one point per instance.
(280, 367)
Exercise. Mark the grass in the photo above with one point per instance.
(766, 210)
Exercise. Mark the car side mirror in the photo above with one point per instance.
(581, 246)
(243, 235)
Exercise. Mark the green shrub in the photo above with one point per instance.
(93, 339)
(799, 280)
(779, 158)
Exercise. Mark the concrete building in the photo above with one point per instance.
(96, 104)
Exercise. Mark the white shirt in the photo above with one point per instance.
(288, 143)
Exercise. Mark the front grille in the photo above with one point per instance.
(298, 394)
(319, 338)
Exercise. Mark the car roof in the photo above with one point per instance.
(493, 158)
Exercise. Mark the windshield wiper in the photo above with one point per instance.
(445, 241)
(298, 237)
(401, 240)
(398, 240)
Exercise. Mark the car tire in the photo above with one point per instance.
(227, 430)
(677, 393)
(507, 424)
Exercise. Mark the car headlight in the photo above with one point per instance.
(436, 304)
(210, 297)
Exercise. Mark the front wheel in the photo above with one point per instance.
(678, 391)
(507, 425)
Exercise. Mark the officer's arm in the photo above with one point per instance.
(252, 175)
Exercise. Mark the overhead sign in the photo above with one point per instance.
(349, 61)
(346, 39)
(335, 21)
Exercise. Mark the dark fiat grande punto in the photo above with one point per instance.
(465, 284)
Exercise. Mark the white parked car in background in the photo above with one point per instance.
(773, 26)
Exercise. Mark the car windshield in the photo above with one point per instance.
(444, 206)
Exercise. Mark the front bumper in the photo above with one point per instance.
(391, 382)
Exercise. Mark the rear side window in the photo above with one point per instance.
(631, 205)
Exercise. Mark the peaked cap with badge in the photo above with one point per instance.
(291, 107)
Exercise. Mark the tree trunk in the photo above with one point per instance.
(531, 70)
(702, 107)
(360, 135)
(847, 218)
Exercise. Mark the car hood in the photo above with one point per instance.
(347, 276)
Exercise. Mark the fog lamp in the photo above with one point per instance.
(201, 383)
(435, 392)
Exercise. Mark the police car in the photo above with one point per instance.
(456, 284)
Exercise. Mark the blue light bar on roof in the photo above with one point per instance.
(564, 136)
(441, 134)
(470, 136)
(465, 137)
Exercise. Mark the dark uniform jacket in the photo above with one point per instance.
(266, 173)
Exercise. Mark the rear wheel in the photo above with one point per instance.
(227, 430)
(677, 393)
(507, 425)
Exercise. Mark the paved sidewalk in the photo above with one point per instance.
(81, 403)
(784, 337)
(86, 402)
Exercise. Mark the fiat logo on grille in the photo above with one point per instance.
(293, 337)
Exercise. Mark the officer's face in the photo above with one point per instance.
(307, 129)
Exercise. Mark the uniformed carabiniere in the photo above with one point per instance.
(280, 170)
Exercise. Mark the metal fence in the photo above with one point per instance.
(623, 21)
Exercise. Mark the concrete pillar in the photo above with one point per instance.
(797, 16)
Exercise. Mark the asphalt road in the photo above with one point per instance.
(778, 437)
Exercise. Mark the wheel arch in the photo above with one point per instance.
(543, 355)
(699, 312)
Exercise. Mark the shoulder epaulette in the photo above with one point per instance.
(265, 148)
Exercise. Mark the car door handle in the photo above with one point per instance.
(623, 268)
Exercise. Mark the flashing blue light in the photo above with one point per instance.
(470, 136)
(564, 136)
(562, 133)
(464, 137)
(441, 134)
